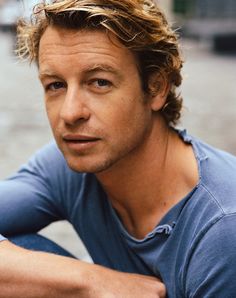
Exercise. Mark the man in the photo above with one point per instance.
(154, 206)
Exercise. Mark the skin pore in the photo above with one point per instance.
(105, 124)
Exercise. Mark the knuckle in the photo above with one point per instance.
(161, 290)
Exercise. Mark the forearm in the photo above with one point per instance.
(29, 274)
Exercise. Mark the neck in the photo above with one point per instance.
(146, 184)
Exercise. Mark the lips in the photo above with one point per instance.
(80, 143)
(79, 138)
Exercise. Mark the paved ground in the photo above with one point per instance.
(209, 91)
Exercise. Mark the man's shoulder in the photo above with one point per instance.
(49, 165)
(48, 169)
(47, 154)
(217, 171)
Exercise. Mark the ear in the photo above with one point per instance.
(159, 88)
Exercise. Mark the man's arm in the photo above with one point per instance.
(32, 198)
(26, 274)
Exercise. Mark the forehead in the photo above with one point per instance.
(83, 46)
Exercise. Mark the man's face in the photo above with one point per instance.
(94, 100)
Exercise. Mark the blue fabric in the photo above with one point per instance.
(193, 249)
(2, 238)
(39, 243)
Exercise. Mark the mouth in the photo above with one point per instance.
(79, 138)
(80, 142)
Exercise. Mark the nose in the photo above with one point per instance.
(74, 108)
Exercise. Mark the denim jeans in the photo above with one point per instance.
(39, 243)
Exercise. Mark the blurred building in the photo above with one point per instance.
(206, 8)
(12, 10)
(206, 18)
(213, 20)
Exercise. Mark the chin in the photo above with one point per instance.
(82, 165)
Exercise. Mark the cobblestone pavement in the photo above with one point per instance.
(209, 92)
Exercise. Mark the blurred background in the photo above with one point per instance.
(208, 38)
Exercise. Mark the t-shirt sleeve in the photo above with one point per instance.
(2, 238)
(212, 268)
(30, 199)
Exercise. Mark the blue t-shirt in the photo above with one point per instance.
(193, 248)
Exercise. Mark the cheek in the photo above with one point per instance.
(127, 119)
(52, 108)
(115, 117)
(53, 112)
(50, 113)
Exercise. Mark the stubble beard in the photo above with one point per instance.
(112, 160)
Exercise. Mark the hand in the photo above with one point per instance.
(106, 283)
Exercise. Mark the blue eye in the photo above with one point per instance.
(103, 83)
(55, 86)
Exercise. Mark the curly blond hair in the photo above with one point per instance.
(139, 24)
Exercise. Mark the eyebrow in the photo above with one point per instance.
(92, 69)
(103, 67)
(47, 73)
